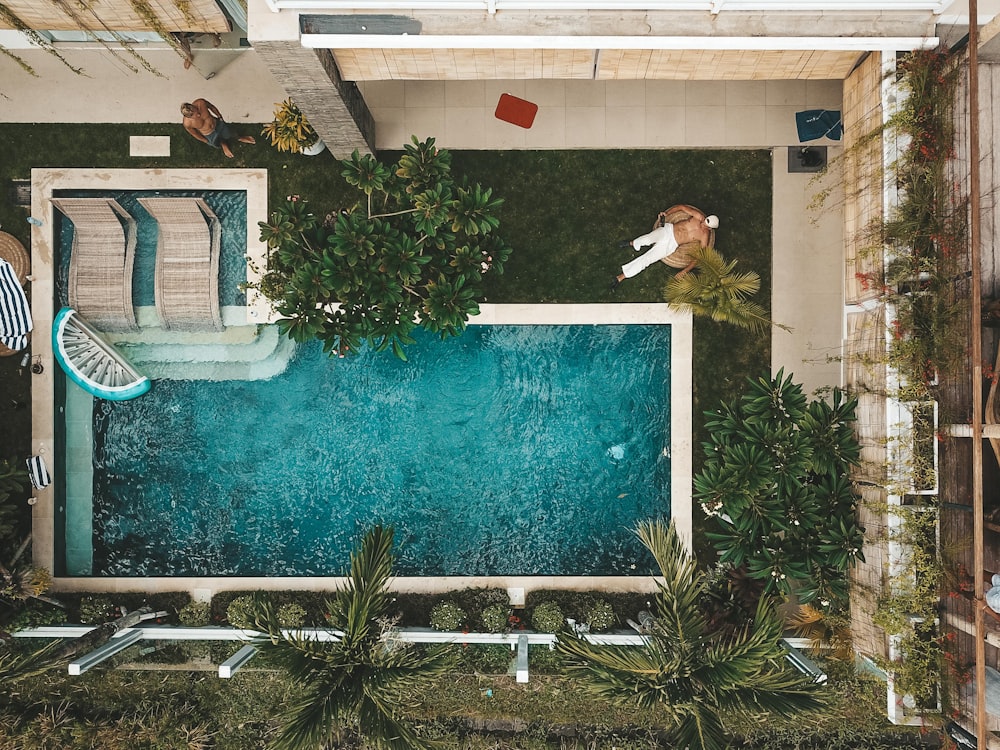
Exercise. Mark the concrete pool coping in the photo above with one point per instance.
(43, 183)
(254, 182)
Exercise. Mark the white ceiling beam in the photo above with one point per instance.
(763, 43)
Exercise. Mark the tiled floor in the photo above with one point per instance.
(599, 114)
(808, 245)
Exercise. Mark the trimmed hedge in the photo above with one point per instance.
(578, 605)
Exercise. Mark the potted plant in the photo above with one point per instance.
(291, 131)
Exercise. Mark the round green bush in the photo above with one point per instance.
(95, 610)
(447, 616)
(291, 615)
(239, 613)
(547, 618)
(194, 614)
(494, 618)
(601, 617)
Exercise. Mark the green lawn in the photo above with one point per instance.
(565, 211)
(564, 214)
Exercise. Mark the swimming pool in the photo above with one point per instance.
(512, 450)
(63, 430)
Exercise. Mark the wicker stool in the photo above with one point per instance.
(14, 253)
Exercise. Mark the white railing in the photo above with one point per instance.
(712, 6)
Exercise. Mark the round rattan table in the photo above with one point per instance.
(14, 253)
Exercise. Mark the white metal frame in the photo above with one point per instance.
(712, 6)
(501, 41)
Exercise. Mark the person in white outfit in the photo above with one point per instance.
(690, 225)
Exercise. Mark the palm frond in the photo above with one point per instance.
(15, 667)
(716, 290)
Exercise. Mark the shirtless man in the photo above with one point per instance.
(665, 240)
(203, 120)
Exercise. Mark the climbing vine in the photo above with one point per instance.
(15, 21)
(85, 27)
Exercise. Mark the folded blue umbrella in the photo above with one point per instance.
(817, 123)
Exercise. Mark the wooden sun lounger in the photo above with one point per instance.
(187, 263)
(101, 262)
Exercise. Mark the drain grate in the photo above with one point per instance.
(20, 193)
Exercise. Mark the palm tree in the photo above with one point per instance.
(697, 676)
(718, 292)
(356, 674)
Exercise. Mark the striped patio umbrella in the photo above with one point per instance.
(15, 316)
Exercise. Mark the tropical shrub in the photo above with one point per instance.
(601, 616)
(412, 252)
(240, 612)
(447, 616)
(95, 610)
(194, 614)
(495, 618)
(290, 131)
(717, 291)
(700, 678)
(291, 615)
(776, 484)
(35, 614)
(547, 618)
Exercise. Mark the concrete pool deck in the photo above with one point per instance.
(808, 245)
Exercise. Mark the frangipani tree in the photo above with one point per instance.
(412, 252)
(776, 482)
(697, 675)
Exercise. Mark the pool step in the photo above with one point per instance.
(274, 363)
(240, 352)
(237, 330)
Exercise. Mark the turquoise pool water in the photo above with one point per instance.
(512, 450)
(230, 206)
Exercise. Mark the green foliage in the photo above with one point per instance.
(495, 618)
(33, 614)
(601, 617)
(918, 671)
(547, 618)
(413, 252)
(916, 592)
(447, 616)
(360, 680)
(95, 610)
(698, 677)
(13, 480)
(240, 612)
(545, 660)
(291, 615)
(485, 658)
(290, 130)
(775, 482)
(926, 236)
(717, 291)
(194, 614)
